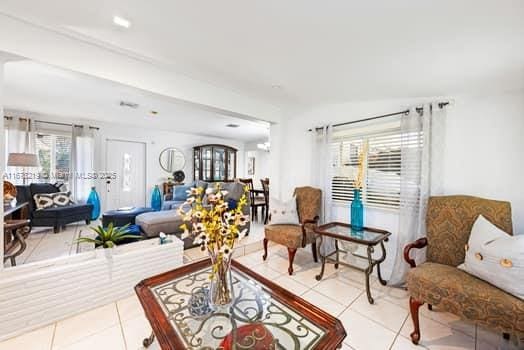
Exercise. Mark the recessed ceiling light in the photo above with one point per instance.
(232, 125)
(122, 22)
(276, 87)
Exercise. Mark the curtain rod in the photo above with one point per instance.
(418, 109)
(55, 123)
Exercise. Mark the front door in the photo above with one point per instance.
(127, 159)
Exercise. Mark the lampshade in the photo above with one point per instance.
(22, 160)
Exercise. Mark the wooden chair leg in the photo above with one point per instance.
(291, 253)
(314, 249)
(414, 305)
(264, 257)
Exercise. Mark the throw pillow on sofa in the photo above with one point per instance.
(496, 257)
(283, 213)
(180, 193)
(52, 200)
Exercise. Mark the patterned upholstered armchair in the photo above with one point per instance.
(297, 236)
(439, 282)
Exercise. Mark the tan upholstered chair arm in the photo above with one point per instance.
(418, 244)
(303, 224)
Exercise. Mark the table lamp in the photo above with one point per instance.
(24, 160)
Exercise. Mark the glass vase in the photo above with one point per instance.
(156, 199)
(357, 211)
(94, 199)
(221, 285)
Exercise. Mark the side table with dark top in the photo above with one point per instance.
(368, 236)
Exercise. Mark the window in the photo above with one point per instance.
(382, 163)
(54, 155)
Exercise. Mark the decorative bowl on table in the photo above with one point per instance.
(199, 304)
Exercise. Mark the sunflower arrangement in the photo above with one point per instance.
(214, 225)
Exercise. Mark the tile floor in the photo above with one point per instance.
(385, 325)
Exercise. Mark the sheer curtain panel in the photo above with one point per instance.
(83, 162)
(422, 141)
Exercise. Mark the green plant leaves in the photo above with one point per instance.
(109, 237)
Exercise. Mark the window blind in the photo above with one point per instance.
(382, 164)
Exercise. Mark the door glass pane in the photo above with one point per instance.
(206, 164)
(196, 162)
(220, 164)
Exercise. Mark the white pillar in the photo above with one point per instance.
(275, 159)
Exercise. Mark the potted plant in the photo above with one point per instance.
(108, 237)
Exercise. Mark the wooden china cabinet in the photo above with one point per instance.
(213, 163)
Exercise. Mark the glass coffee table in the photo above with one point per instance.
(263, 315)
(368, 236)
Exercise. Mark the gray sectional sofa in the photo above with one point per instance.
(168, 220)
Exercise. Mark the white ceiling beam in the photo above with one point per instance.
(45, 45)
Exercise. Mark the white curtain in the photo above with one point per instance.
(422, 142)
(322, 173)
(21, 138)
(82, 162)
(322, 169)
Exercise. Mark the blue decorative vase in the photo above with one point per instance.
(94, 199)
(156, 199)
(357, 211)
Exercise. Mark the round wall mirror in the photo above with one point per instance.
(172, 159)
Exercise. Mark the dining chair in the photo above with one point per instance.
(265, 209)
(255, 200)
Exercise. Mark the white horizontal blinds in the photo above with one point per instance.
(383, 164)
(382, 187)
(412, 143)
(345, 153)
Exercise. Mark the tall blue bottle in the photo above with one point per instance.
(357, 211)
(94, 199)
(156, 199)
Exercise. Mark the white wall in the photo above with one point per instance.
(483, 150)
(44, 292)
(262, 166)
(156, 141)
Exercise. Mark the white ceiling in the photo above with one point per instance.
(35, 87)
(317, 51)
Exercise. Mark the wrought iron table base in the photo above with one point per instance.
(149, 340)
(368, 271)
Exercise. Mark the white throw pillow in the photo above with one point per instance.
(283, 212)
(496, 257)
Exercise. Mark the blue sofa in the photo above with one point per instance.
(179, 195)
